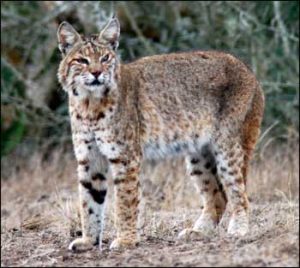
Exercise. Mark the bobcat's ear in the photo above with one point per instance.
(111, 33)
(67, 37)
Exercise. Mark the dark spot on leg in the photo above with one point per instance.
(229, 184)
(195, 160)
(205, 154)
(105, 93)
(177, 148)
(75, 92)
(86, 184)
(128, 191)
(120, 143)
(224, 169)
(89, 147)
(214, 171)
(221, 186)
(100, 116)
(83, 162)
(78, 116)
(205, 151)
(115, 160)
(132, 170)
(86, 168)
(196, 172)
(127, 179)
(245, 203)
(91, 211)
(98, 176)
(96, 241)
(215, 191)
(118, 161)
(118, 181)
(233, 172)
(98, 196)
(135, 201)
(86, 103)
(206, 182)
(207, 165)
(78, 233)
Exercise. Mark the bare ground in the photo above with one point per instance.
(39, 217)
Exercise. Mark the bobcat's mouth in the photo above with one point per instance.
(96, 82)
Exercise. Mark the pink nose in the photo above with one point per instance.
(96, 74)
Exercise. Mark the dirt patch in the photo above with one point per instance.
(273, 241)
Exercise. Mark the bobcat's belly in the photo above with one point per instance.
(162, 149)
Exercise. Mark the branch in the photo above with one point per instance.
(282, 29)
(137, 30)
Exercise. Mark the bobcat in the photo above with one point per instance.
(205, 105)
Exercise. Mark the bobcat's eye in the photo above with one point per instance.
(105, 58)
(83, 61)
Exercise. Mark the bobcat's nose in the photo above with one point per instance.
(96, 74)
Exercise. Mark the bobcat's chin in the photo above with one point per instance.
(94, 88)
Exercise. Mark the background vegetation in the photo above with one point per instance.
(265, 35)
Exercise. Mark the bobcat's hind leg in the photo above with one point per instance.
(202, 170)
(230, 163)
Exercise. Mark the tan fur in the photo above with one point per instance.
(207, 106)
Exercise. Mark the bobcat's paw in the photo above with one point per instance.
(123, 243)
(206, 224)
(238, 224)
(190, 234)
(81, 244)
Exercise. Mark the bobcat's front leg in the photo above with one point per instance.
(126, 189)
(92, 172)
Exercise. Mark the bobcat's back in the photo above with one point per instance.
(186, 96)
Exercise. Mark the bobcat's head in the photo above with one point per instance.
(90, 64)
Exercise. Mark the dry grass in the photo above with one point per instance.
(39, 216)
